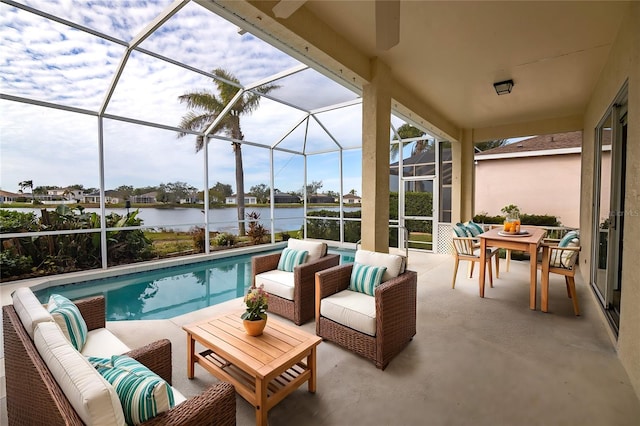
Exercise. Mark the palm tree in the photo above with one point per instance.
(206, 106)
(27, 184)
(407, 131)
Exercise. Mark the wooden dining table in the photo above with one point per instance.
(528, 242)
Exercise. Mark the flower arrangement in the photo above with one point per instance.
(257, 301)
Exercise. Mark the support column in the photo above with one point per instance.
(376, 127)
(463, 183)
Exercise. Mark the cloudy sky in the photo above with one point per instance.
(46, 61)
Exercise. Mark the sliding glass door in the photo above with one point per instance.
(608, 210)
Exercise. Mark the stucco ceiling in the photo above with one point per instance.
(450, 53)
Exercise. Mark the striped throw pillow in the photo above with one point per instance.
(365, 278)
(142, 393)
(474, 228)
(460, 230)
(67, 315)
(565, 258)
(291, 258)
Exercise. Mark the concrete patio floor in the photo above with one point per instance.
(473, 361)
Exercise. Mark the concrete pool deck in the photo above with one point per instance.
(473, 361)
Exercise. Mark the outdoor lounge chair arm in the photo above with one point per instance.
(396, 305)
(260, 264)
(214, 406)
(307, 271)
(332, 280)
(156, 357)
(93, 311)
(305, 279)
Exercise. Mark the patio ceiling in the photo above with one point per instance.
(450, 54)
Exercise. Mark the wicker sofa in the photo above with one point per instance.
(34, 396)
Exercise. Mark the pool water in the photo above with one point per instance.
(169, 292)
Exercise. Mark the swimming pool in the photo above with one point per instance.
(169, 292)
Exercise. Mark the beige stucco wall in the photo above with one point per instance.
(623, 63)
(537, 185)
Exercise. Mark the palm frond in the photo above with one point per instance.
(202, 100)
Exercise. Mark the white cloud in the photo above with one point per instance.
(47, 61)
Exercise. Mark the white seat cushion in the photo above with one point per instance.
(102, 343)
(352, 309)
(277, 282)
(178, 398)
(29, 309)
(316, 249)
(91, 396)
(394, 263)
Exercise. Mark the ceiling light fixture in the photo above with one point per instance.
(503, 87)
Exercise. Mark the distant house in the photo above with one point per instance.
(110, 196)
(69, 194)
(92, 198)
(190, 199)
(148, 198)
(540, 175)
(321, 198)
(351, 199)
(9, 197)
(248, 199)
(284, 198)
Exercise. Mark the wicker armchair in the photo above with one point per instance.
(395, 315)
(300, 307)
(35, 398)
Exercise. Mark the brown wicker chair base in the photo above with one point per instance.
(395, 315)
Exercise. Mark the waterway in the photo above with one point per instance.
(220, 219)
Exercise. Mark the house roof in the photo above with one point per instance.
(538, 143)
(351, 196)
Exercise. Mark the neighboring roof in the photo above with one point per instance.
(10, 194)
(351, 196)
(539, 143)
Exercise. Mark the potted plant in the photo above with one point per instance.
(255, 314)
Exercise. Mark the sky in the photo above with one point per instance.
(45, 61)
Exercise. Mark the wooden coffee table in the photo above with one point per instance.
(263, 369)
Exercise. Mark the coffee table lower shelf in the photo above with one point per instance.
(276, 388)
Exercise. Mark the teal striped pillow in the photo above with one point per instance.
(142, 393)
(474, 228)
(365, 278)
(67, 315)
(460, 230)
(291, 258)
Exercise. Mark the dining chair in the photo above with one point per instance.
(561, 259)
(467, 248)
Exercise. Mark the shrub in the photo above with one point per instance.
(224, 239)
(256, 232)
(199, 241)
(13, 264)
(525, 219)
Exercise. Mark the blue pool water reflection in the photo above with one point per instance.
(169, 292)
